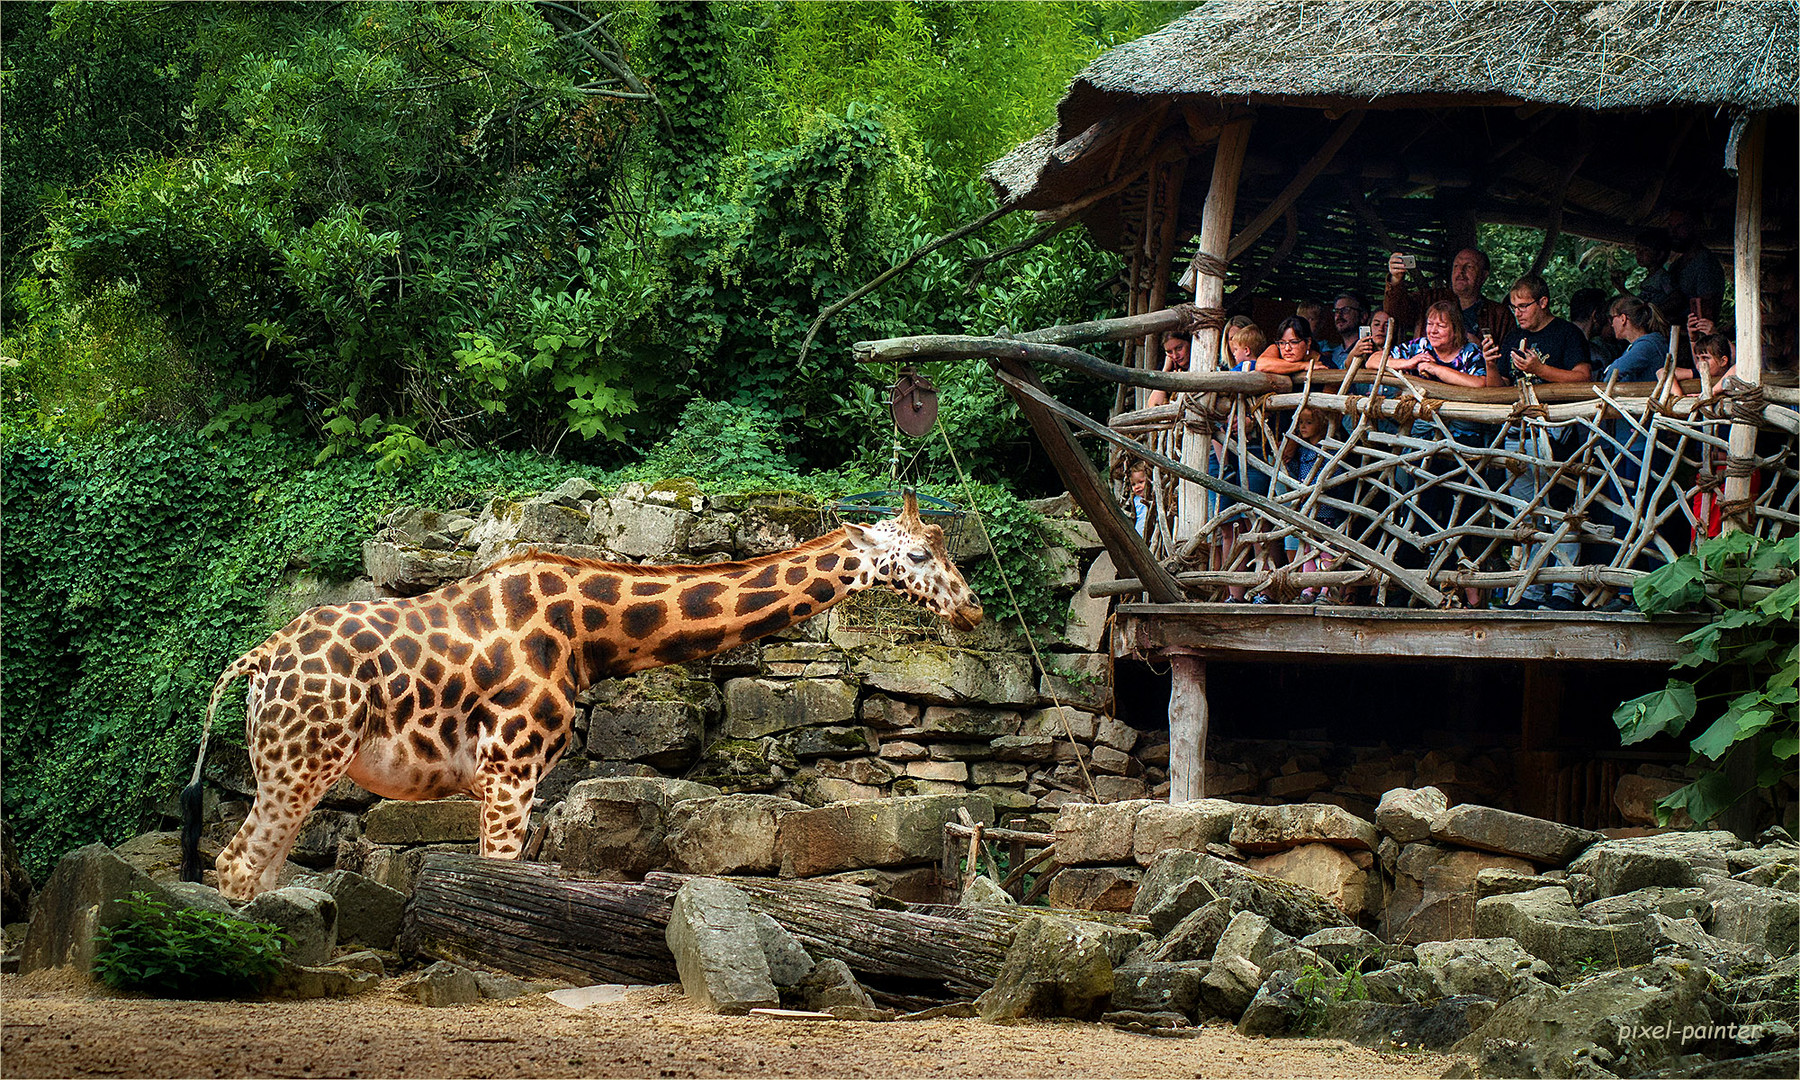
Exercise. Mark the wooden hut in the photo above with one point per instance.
(1284, 149)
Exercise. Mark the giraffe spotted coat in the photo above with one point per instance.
(472, 688)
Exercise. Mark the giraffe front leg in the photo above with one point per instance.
(505, 787)
(296, 755)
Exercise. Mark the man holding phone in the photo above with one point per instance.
(1482, 318)
(1543, 348)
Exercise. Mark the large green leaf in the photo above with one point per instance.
(1668, 709)
(1671, 587)
(1703, 799)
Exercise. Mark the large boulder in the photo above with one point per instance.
(368, 912)
(1672, 860)
(1754, 915)
(1548, 843)
(1327, 871)
(1489, 967)
(718, 947)
(83, 895)
(639, 530)
(1094, 888)
(1197, 935)
(432, 821)
(617, 826)
(947, 676)
(309, 916)
(1435, 890)
(758, 707)
(1054, 967)
(727, 834)
(1266, 829)
(882, 832)
(1159, 986)
(1546, 923)
(1189, 826)
(1409, 814)
(1097, 832)
(658, 717)
(1406, 1026)
(1626, 1023)
(1086, 628)
(1250, 936)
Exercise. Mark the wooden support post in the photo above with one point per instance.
(1747, 288)
(1209, 292)
(1187, 728)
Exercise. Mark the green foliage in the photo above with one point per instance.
(186, 952)
(1014, 584)
(726, 445)
(1748, 646)
(1319, 990)
(136, 566)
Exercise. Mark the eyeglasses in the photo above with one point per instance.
(1529, 303)
(1341, 310)
(1285, 342)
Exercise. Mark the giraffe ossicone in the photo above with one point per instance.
(472, 688)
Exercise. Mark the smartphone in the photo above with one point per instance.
(1362, 331)
(1410, 262)
(1695, 307)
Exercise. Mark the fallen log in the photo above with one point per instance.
(532, 919)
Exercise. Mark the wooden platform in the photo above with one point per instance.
(1317, 632)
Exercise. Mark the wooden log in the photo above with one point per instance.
(528, 919)
(1083, 481)
(531, 919)
(1747, 285)
(1209, 293)
(1187, 728)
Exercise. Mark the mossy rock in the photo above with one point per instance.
(685, 490)
(658, 684)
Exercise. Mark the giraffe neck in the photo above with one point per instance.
(635, 617)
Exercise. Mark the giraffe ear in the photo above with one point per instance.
(857, 533)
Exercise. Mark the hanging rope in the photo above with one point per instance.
(1061, 710)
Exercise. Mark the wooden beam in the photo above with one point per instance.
(1310, 634)
(1412, 581)
(1746, 265)
(1187, 727)
(1084, 483)
(1296, 187)
(1209, 294)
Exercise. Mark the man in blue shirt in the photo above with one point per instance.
(1347, 314)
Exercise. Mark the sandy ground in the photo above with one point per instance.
(54, 1024)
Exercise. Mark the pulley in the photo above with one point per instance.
(914, 401)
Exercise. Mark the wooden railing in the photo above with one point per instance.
(1417, 492)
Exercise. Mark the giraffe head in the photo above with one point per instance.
(909, 554)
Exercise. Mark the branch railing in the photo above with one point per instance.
(1414, 491)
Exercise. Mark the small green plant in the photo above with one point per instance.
(186, 953)
(1751, 642)
(1586, 966)
(1319, 990)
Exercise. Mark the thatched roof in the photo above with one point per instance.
(1600, 55)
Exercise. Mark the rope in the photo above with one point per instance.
(1061, 710)
(1209, 265)
(1744, 401)
(1527, 410)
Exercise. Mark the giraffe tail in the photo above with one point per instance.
(193, 796)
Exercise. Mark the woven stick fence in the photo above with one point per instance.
(1587, 490)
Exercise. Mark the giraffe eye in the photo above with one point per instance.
(919, 556)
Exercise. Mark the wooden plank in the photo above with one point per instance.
(1209, 294)
(1314, 634)
(1747, 285)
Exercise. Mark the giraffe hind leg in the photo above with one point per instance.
(297, 750)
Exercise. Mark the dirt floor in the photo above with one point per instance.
(55, 1024)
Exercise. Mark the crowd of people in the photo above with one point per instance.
(1457, 335)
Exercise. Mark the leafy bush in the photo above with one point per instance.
(186, 953)
(1748, 652)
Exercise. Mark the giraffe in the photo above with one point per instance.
(471, 688)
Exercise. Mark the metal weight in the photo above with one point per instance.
(915, 403)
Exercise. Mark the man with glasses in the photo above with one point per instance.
(1468, 274)
(1347, 314)
(1543, 348)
